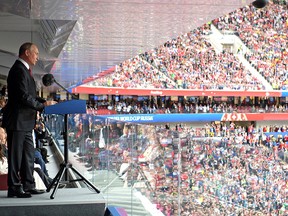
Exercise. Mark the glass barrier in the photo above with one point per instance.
(154, 170)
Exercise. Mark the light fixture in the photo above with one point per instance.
(260, 3)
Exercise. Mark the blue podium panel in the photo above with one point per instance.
(67, 107)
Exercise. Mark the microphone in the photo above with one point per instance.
(48, 79)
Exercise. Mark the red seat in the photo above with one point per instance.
(3, 182)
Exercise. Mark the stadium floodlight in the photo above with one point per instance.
(260, 3)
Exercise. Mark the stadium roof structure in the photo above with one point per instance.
(78, 39)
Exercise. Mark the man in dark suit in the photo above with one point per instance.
(19, 118)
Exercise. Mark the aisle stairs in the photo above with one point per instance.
(220, 40)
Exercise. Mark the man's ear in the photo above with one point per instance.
(27, 53)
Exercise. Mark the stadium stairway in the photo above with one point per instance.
(218, 39)
(165, 76)
(255, 72)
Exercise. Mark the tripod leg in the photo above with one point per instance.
(56, 178)
(85, 180)
(59, 175)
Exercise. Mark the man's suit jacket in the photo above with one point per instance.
(23, 103)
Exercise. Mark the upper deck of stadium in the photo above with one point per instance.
(243, 53)
(79, 39)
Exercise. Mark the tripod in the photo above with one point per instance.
(65, 166)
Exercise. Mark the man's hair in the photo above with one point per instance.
(24, 47)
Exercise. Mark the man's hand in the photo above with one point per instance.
(49, 103)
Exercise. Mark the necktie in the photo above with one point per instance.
(30, 71)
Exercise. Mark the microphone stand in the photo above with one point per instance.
(62, 87)
(66, 165)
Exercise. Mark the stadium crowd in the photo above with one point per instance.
(226, 169)
(190, 61)
(220, 169)
(264, 32)
(197, 105)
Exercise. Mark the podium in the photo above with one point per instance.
(65, 108)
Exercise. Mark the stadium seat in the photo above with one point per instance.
(3, 182)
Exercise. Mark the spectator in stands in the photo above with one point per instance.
(3, 141)
(39, 183)
(3, 162)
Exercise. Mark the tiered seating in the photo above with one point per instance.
(265, 33)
